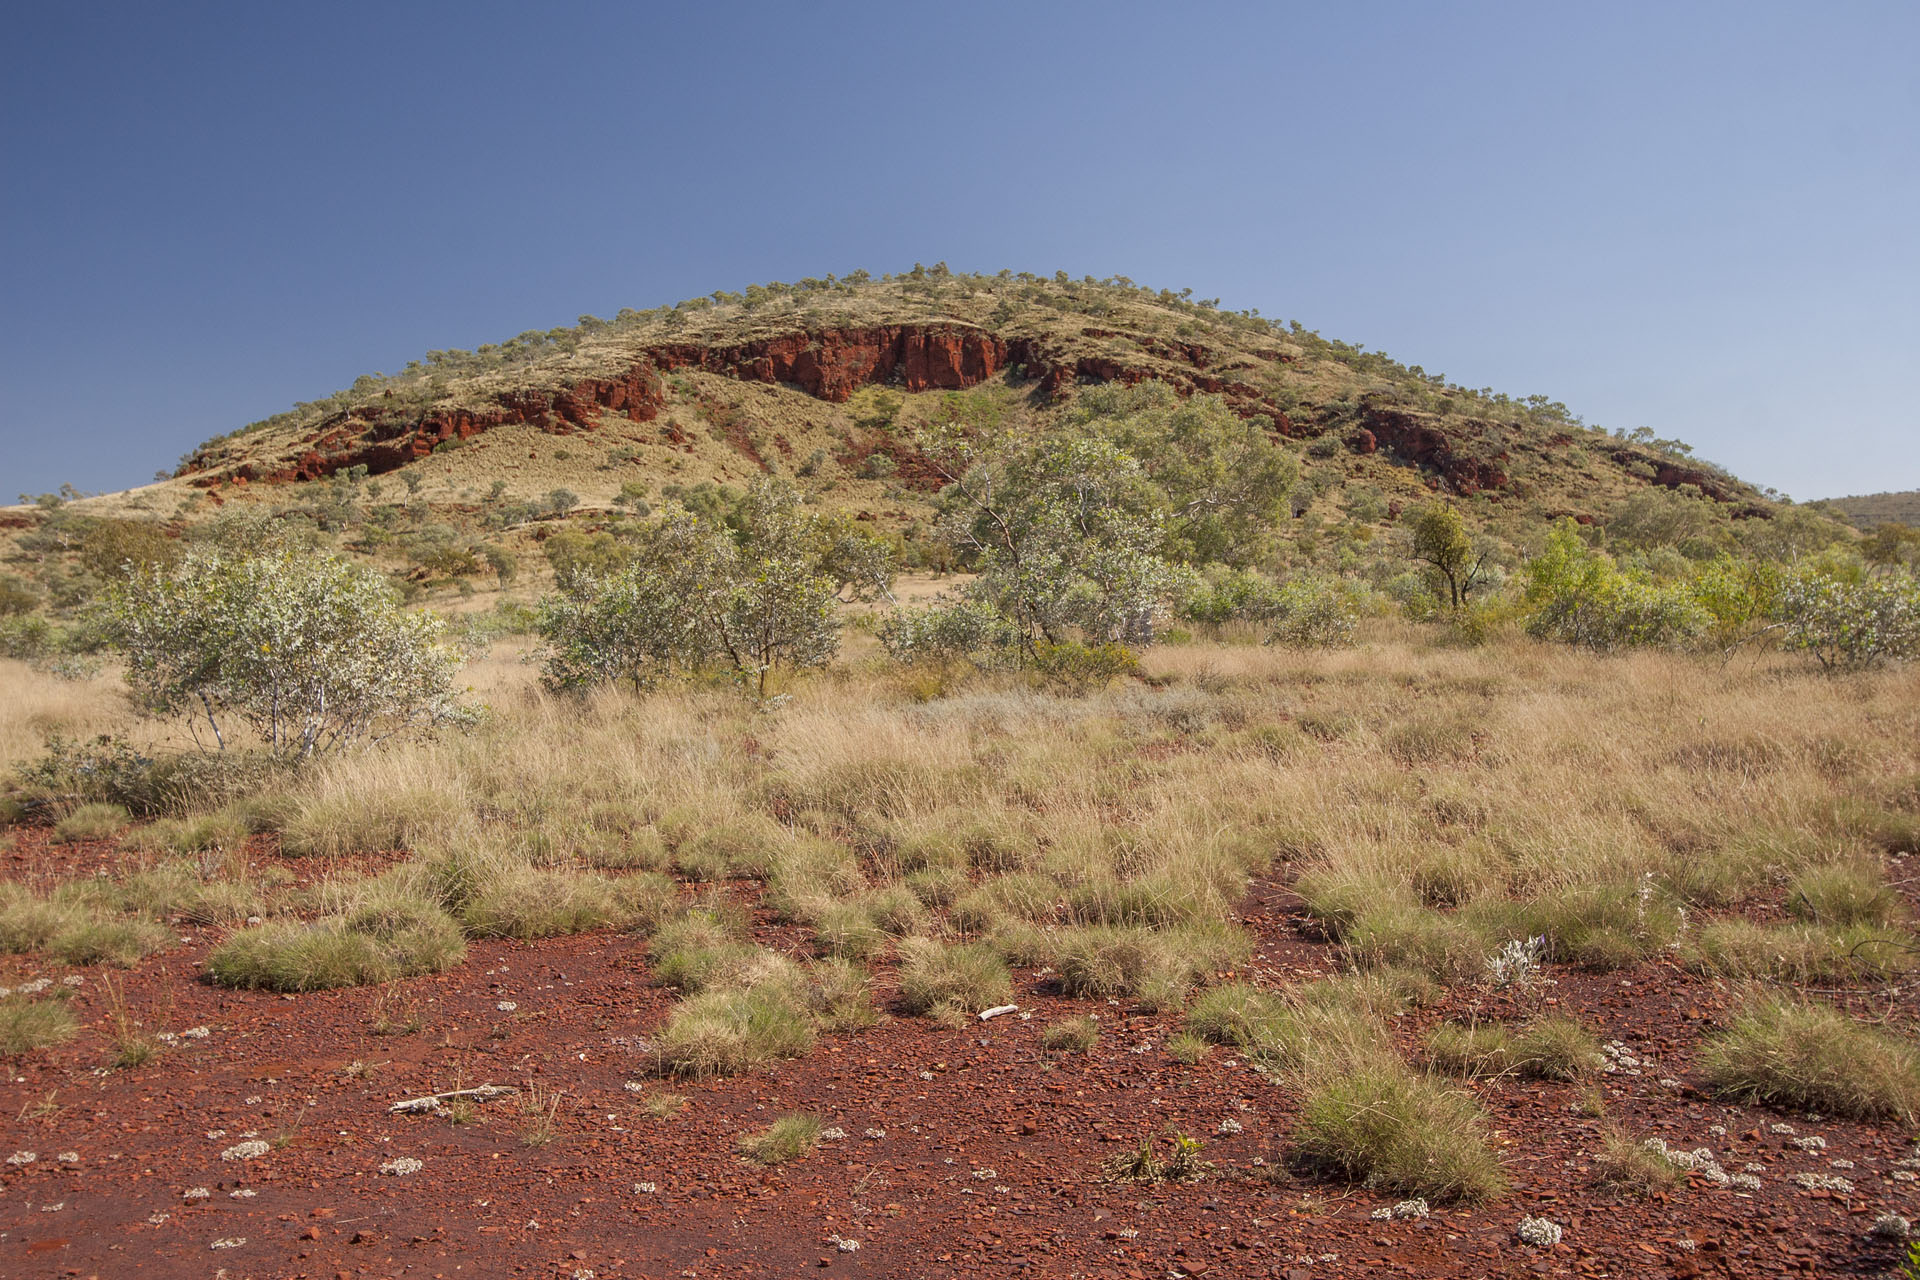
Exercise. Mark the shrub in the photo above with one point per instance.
(1575, 594)
(1312, 613)
(1809, 1055)
(1849, 625)
(787, 1138)
(969, 976)
(731, 1030)
(1080, 668)
(954, 630)
(91, 822)
(1395, 1132)
(312, 653)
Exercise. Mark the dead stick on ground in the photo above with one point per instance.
(484, 1093)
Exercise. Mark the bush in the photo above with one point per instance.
(1808, 1055)
(1082, 668)
(26, 1025)
(955, 630)
(1312, 613)
(1849, 625)
(787, 1138)
(1395, 1132)
(968, 976)
(1575, 594)
(312, 653)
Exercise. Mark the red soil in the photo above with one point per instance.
(989, 1164)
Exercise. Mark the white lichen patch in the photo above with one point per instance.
(242, 1193)
(197, 1193)
(506, 1006)
(645, 1188)
(1812, 1142)
(68, 1157)
(875, 1135)
(1541, 1233)
(402, 1166)
(249, 1150)
(19, 1158)
(1824, 1182)
(1231, 1126)
(228, 1242)
(833, 1134)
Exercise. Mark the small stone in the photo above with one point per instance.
(1891, 1226)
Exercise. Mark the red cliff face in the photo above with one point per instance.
(828, 365)
(1413, 439)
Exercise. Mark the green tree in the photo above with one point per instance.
(313, 653)
(755, 585)
(1442, 543)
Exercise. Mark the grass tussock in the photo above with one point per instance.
(382, 939)
(1394, 1131)
(967, 976)
(1624, 1166)
(96, 821)
(788, 1138)
(734, 1029)
(1808, 1055)
(1070, 1035)
(26, 1024)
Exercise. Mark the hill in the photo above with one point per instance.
(1870, 510)
(817, 377)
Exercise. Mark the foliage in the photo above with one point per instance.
(756, 589)
(1093, 528)
(1576, 595)
(1442, 543)
(311, 652)
(1849, 625)
(955, 628)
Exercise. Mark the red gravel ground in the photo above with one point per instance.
(972, 1152)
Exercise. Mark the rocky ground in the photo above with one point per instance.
(258, 1141)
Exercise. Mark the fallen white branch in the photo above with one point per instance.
(997, 1010)
(484, 1093)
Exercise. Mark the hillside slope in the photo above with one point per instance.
(778, 379)
(1869, 510)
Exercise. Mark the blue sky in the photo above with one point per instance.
(1694, 217)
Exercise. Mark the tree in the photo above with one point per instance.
(313, 653)
(1441, 541)
(754, 584)
(1097, 527)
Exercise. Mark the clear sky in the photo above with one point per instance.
(1695, 217)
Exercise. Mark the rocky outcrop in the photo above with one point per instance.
(1420, 440)
(828, 364)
